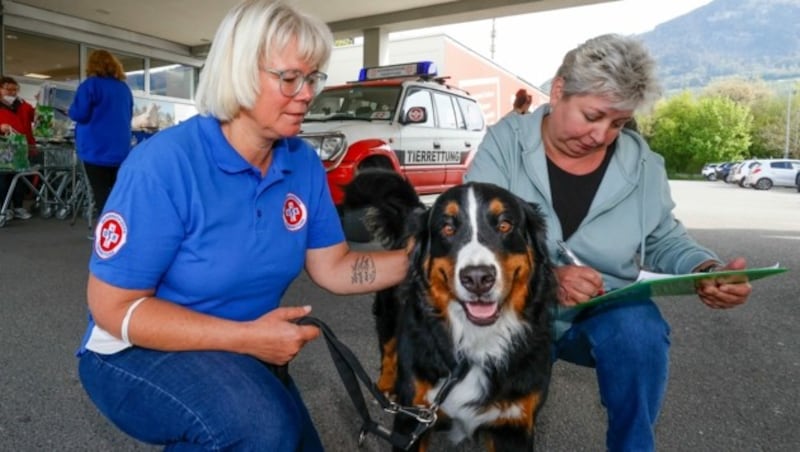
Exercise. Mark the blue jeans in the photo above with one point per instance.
(628, 345)
(192, 401)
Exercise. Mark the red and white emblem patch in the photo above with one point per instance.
(294, 212)
(416, 114)
(110, 235)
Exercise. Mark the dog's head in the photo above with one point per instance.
(481, 252)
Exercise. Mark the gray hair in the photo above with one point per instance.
(245, 40)
(613, 66)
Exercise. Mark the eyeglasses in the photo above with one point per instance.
(292, 81)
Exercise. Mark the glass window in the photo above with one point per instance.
(460, 121)
(444, 111)
(34, 57)
(133, 67)
(171, 79)
(472, 113)
(420, 98)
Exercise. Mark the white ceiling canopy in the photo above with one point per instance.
(193, 22)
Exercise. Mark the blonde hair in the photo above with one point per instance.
(103, 64)
(245, 39)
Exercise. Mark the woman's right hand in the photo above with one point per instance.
(5, 129)
(577, 284)
(276, 339)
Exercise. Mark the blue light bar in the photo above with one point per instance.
(420, 68)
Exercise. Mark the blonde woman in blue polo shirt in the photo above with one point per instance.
(208, 224)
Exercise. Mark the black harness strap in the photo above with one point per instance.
(350, 371)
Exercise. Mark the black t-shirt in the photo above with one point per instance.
(572, 195)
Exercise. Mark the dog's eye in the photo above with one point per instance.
(448, 230)
(504, 227)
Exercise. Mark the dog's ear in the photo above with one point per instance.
(418, 230)
(536, 231)
(543, 283)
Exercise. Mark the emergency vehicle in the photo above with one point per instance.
(400, 117)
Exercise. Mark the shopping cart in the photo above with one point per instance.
(81, 199)
(58, 181)
(59, 171)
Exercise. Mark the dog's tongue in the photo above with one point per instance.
(479, 310)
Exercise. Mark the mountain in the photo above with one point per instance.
(725, 38)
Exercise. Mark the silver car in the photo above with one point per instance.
(766, 174)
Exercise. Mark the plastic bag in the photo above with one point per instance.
(43, 122)
(13, 152)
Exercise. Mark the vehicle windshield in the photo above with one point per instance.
(355, 102)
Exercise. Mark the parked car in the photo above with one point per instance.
(402, 118)
(797, 181)
(765, 174)
(723, 169)
(739, 174)
(709, 171)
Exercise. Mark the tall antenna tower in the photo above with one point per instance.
(493, 34)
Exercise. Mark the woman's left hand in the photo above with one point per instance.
(722, 292)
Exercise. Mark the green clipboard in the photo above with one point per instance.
(670, 285)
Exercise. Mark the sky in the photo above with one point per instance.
(532, 45)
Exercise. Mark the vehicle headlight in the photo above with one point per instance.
(328, 146)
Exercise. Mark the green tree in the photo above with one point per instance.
(768, 106)
(690, 132)
(769, 127)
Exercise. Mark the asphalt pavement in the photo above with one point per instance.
(734, 378)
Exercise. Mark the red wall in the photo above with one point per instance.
(493, 87)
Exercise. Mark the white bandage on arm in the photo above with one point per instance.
(127, 320)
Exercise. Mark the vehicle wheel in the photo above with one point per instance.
(711, 177)
(763, 184)
(353, 225)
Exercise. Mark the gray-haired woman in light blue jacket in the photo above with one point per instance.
(606, 194)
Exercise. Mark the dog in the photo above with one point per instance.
(478, 294)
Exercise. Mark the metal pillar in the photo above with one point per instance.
(788, 123)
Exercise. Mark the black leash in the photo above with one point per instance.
(350, 370)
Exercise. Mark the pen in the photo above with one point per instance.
(573, 259)
(568, 254)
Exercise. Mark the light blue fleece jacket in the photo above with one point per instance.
(629, 225)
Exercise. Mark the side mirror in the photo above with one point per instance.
(415, 115)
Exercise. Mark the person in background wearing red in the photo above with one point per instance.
(522, 102)
(16, 116)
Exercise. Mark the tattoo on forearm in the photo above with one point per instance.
(364, 271)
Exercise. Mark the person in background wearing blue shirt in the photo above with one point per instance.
(208, 224)
(102, 111)
(606, 194)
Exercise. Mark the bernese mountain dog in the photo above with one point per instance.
(479, 293)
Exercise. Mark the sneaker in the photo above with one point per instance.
(9, 214)
(22, 214)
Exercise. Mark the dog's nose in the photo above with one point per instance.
(478, 279)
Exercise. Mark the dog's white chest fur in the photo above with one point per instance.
(479, 345)
(461, 406)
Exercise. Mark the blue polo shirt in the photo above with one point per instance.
(189, 217)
